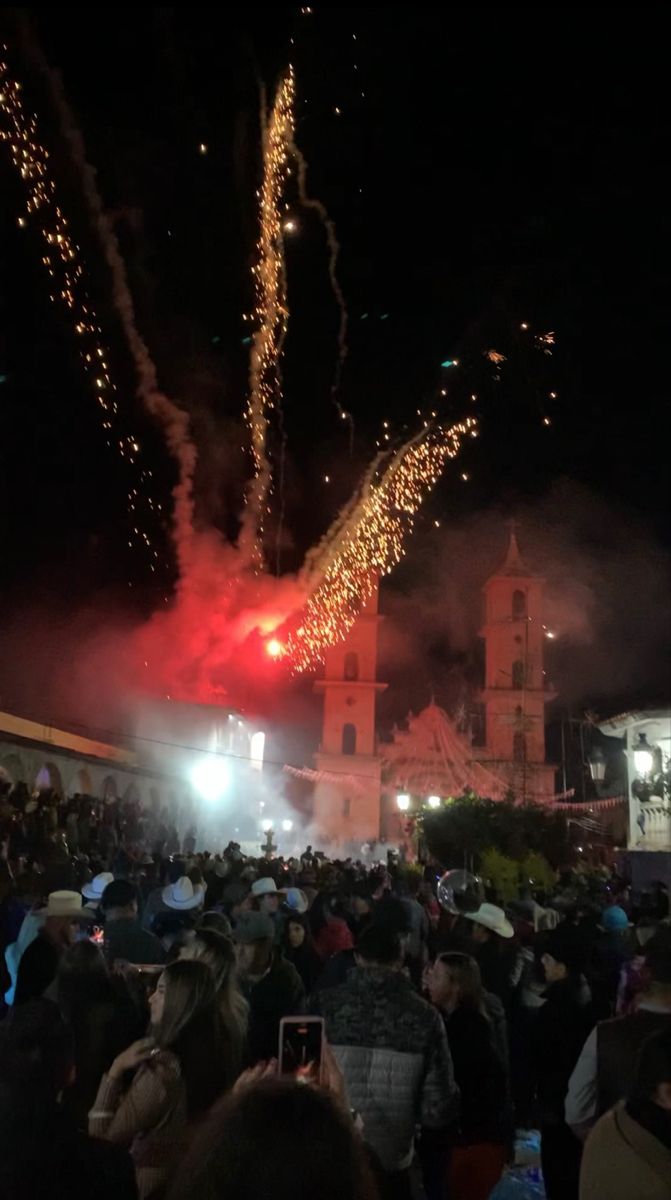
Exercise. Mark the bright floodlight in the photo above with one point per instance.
(433, 801)
(287, 825)
(211, 777)
(266, 824)
(403, 801)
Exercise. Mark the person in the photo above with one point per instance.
(418, 921)
(330, 931)
(101, 1016)
(479, 1145)
(211, 947)
(37, 969)
(93, 890)
(628, 1153)
(392, 1049)
(558, 1034)
(184, 895)
(309, 1148)
(298, 949)
(611, 951)
(271, 985)
(604, 1071)
(178, 1074)
(125, 940)
(494, 950)
(266, 899)
(154, 902)
(632, 974)
(44, 1157)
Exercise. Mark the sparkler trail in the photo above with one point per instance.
(62, 260)
(270, 312)
(173, 419)
(370, 541)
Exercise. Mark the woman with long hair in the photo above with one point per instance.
(479, 1153)
(179, 1071)
(218, 953)
(298, 948)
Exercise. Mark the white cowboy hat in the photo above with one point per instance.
(65, 904)
(183, 894)
(264, 887)
(492, 917)
(295, 899)
(95, 888)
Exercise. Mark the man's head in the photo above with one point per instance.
(652, 1080)
(264, 891)
(119, 900)
(253, 934)
(380, 946)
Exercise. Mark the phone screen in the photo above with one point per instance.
(301, 1048)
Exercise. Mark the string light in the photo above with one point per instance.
(367, 539)
(271, 313)
(62, 259)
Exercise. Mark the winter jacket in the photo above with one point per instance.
(392, 1049)
(559, 1033)
(480, 1076)
(623, 1160)
(279, 993)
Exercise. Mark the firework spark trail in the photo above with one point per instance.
(333, 244)
(369, 541)
(271, 313)
(62, 260)
(173, 419)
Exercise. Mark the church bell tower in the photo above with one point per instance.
(515, 691)
(347, 809)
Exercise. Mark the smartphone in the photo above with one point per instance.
(300, 1052)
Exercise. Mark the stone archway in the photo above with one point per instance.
(81, 783)
(49, 776)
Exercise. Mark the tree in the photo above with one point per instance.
(466, 826)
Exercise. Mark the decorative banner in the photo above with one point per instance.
(592, 805)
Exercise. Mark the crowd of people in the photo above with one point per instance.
(145, 982)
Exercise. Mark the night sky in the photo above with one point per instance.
(499, 168)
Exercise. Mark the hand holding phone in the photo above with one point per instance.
(301, 1048)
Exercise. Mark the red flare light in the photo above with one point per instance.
(274, 648)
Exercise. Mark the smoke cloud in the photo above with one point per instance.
(606, 601)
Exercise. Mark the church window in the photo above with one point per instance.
(519, 747)
(518, 674)
(351, 665)
(349, 738)
(519, 604)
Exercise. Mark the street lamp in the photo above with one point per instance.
(287, 825)
(403, 801)
(433, 802)
(597, 765)
(643, 756)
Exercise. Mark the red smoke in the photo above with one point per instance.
(211, 644)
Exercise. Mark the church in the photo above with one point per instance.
(363, 788)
